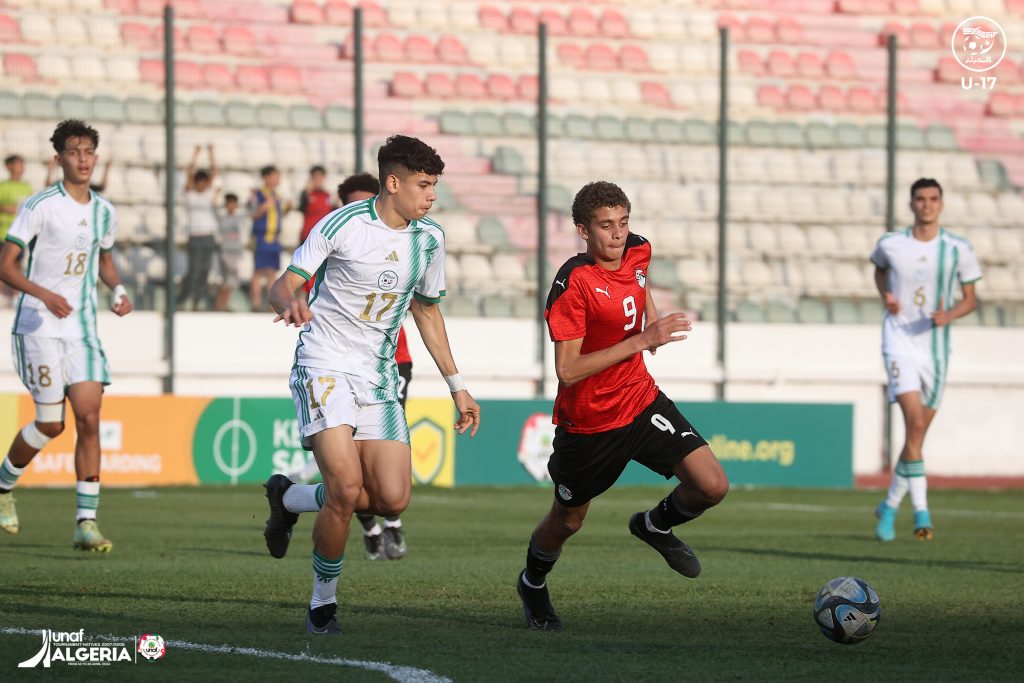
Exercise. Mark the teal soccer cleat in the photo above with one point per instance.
(885, 530)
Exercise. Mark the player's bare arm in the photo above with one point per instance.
(892, 304)
(572, 366)
(122, 305)
(289, 308)
(12, 275)
(650, 312)
(430, 323)
(968, 303)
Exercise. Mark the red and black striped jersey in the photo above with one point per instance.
(602, 307)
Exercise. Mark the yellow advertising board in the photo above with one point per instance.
(432, 435)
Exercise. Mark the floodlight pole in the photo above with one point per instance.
(169, 181)
(890, 151)
(723, 205)
(542, 200)
(357, 65)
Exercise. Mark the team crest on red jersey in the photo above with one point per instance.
(641, 279)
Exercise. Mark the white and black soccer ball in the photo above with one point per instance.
(847, 610)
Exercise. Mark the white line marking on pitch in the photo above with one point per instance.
(799, 507)
(402, 674)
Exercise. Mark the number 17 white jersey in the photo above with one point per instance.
(920, 274)
(366, 276)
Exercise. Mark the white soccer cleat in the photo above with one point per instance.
(8, 514)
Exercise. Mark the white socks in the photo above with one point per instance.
(304, 497)
(87, 498)
(897, 489)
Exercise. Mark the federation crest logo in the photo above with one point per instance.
(387, 280)
(979, 44)
(564, 493)
(152, 646)
(82, 240)
(641, 279)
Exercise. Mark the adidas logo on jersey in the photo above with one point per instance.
(393, 256)
(83, 224)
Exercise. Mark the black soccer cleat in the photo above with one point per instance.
(322, 621)
(540, 613)
(676, 553)
(278, 531)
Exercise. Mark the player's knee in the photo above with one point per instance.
(715, 490)
(392, 508)
(88, 424)
(915, 425)
(566, 525)
(50, 430)
(343, 496)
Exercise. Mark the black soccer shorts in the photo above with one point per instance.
(404, 377)
(583, 466)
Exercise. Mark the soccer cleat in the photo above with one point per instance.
(923, 525)
(540, 613)
(278, 530)
(88, 537)
(885, 530)
(394, 542)
(8, 515)
(677, 554)
(374, 547)
(325, 615)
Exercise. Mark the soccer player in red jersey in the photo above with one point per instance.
(608, 410)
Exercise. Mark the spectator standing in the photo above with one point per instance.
(230, 247)
(267, 211)
(13, 192)
(201, 217)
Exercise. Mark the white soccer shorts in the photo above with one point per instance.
(911, 373)
(47, 366)
(326, 398)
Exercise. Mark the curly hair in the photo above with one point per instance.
(922, 183)
(361, 182)
(594, 196)
(73, 128)
(411, 154)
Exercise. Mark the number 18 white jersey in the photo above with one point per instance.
(366, 276)
(921, 273)
(62, 240)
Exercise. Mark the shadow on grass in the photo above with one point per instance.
(973, 565)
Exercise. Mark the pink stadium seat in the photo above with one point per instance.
(555, 20)
(492, 18)
(440, 86)
(570, 54)
(770, 96)
(781, 64)
(863, 100)
(789, 31)
(522, 20)
(338, 13)
(613, 24)
(239, 40)
(582, 22)
(751, 62)
(348, 48)
(634, 58)
(840, 65)
(151, 71)
(251, 77)
(600, 57)
(188, 74)
(451, 50)
(655, 93)
(801, 98)
(831, 98)
(1002, 104)
(760, 30)
(203, 39)
(218, 77)
(501, 87)
(420, 50)
(374, 15)
(122, 6)
(285, 78)
(809, 65)
(22, 67)
(948, 70)
(897, 29)
(923, 37)
(10, 30)
(1007, 73)
(388, 48)
(907, 8)
(737, 32)
(528, 87)
(405, 84)
(139, 36)
(307, 12)
(470, 86)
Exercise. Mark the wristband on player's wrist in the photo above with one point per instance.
(455, 382)
(119, 293)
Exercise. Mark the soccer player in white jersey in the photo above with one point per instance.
(374, 261)
(68, 231)
(916, 270)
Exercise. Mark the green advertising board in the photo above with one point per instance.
(769, 444)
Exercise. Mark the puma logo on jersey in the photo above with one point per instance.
(603, 291)
(689, 433)
(393, 256)
(560, 283)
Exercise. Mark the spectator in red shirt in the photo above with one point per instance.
(608, 409)
(315, 202)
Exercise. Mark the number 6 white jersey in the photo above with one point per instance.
(921, 273)
(62, 240)
(366, 276)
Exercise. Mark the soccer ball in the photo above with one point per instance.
(847, 610)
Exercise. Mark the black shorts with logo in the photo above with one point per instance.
(583, 466)
(404, 377)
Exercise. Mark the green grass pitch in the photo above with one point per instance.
(190, 564)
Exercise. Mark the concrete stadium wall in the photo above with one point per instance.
(976, 433)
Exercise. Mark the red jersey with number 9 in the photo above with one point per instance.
(602, 307)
